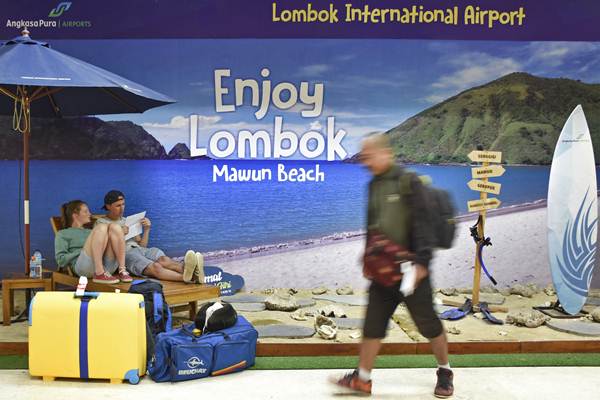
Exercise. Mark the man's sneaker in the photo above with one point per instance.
(125, 277)
(352, 383)
(105, 278)
(199, 271)
(444, 387)
(189, 265)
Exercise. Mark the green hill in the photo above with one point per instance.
(518, 114)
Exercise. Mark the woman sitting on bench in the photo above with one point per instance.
(94, 253)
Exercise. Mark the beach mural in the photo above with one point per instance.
(256, 167)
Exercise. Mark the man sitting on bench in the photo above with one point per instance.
(151, 262)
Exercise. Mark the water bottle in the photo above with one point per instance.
(32, 268)
(35, 267)
(39, 259)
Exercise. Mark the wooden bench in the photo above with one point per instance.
(176, 293)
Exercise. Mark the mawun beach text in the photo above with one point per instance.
(281, 173)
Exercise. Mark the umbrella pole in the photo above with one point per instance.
(26, 135)
(22, 123)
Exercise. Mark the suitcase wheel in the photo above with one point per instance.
(48, 378)
(133, 376)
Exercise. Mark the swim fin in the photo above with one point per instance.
(487, 314)
(458, 313)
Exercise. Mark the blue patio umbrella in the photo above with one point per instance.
(41, 82)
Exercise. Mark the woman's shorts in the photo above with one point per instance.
(84, 266)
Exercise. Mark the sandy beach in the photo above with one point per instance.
(518, 254)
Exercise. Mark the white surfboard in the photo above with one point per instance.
(573, 213)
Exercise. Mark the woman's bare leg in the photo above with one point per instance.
(95, 245)
(117, 244)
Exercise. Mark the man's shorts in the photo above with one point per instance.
(383, 302)
(137, 259)
(84, 266)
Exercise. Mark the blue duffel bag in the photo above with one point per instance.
(181, 355)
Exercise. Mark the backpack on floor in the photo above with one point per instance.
(158, 314)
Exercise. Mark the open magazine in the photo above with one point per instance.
(134, 223)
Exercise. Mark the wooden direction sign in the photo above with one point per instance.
(482, 186)
(484, 204)
(485, 156)
(491, 171)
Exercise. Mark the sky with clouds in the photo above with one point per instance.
(369, 85)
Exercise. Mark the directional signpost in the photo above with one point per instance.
(491, 171)
(484, 186)
(485, 156)
(482, 205)
(480, 184)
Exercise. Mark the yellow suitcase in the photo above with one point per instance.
(102, 336)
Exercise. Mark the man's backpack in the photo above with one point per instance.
(442, 211)
(158, 315)
(440, 208)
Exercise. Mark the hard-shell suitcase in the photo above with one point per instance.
(100, 335)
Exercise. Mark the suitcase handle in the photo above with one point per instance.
(88, 295)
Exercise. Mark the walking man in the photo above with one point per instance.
(406, 225)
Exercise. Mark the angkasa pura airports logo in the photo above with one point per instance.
(56, 19)
(60, 9)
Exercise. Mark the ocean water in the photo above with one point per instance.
(189, 210)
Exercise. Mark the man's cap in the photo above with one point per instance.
(112, 197)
